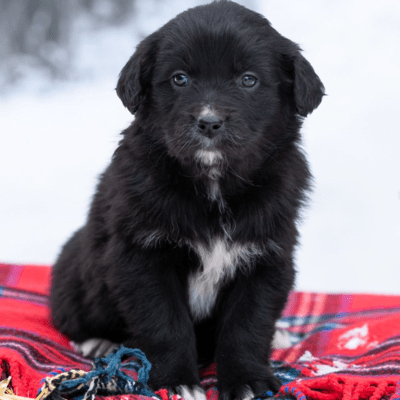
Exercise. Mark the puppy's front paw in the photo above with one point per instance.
(194, 392)
(94, 348)
(250, 390)
(242, 392)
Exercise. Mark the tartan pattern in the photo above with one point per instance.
(339, 346)
(359, 331)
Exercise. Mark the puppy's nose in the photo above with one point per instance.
(210, 125)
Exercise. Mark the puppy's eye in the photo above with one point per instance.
(180, 79)
(249, 81)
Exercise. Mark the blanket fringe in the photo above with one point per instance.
(106, 377)
(343, 387)
(6, 393)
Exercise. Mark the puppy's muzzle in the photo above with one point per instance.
(210, 125)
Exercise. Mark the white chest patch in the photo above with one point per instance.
(219, 264)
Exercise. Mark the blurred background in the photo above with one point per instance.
(59, 64)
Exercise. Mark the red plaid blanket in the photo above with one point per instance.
(335, 346)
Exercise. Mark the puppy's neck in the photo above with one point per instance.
(211, 164)
(213, 190)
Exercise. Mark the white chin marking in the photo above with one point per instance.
(94, 348)
(191, 393)
(208, 157)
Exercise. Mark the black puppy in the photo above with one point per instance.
(187, 252)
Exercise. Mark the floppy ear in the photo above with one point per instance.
(306, 86)
(135, 78)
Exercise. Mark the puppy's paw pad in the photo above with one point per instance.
(94, 348)
(191, 392)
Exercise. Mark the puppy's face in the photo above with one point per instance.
(215, 95)
(219, 85)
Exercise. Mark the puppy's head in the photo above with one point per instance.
(219, 83)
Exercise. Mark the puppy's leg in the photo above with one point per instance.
(68, 291)
(151, 297)
(191, 393)
(250, 310)
(95, 347)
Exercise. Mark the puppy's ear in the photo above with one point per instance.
(308, 89)
(135, 78)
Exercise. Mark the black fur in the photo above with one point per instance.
(124, 275)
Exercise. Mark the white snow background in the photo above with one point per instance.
(55, 139)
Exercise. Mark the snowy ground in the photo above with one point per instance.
(351, 231)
